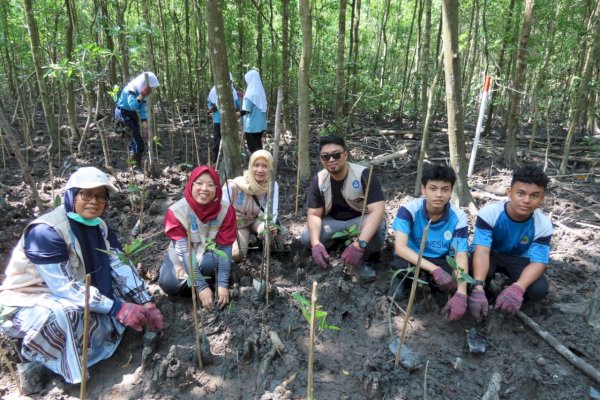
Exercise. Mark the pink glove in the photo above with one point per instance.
(352, 255)
(456, 306)
(478, 304)
(132, 315)
(443, 280)
(146, 91)
(154, 317)
(510, 299)
(320, 255)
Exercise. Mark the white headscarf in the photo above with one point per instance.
(138, 83)
(212, 96)
(255, 91)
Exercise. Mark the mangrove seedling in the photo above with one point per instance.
(320, 315)
(131, 252)
(459, 273)
(348, 233)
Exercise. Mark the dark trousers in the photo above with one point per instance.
(132, 122)
(254, 141)
(513, 266)
(216, 143)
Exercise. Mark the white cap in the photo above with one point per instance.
(88, 178)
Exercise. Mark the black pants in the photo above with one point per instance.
(132, 122)
(254, 141)
(513, 266)
(216, 143)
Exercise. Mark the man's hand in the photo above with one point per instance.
(223, 294)
(443, 280)
(352, 254)
(154, 317)
(132, 315)
(320, 255)
(478, 304)
(206, 298)
(511, 299)
(456, 307)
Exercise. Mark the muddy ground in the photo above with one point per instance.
(354, 362)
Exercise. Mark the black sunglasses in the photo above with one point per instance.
(336, 156)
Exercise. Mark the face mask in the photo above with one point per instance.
(89, 222)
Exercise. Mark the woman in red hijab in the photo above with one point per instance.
(210, 223)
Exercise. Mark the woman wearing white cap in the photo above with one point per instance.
(44, 285)
(131, 102)
(254, 111)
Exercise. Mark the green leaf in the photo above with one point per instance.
(157, 141)
(133, 188)
(452, 262)
(220, 253)
(57, 201)
(339, 235)
(301, 299)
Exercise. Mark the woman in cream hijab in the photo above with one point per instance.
(248, 194)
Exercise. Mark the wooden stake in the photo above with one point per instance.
(11, 370)
(311, 342)
(194, 306)
(362, 215)
(413, 290)
(86, 337)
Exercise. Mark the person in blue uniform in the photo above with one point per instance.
(254, 111)
(448, 235)
(513, 237)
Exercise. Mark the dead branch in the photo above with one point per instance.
(560, 348)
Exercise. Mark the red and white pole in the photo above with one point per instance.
(485, 96)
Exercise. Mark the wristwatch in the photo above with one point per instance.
(362, 244)
(478, 282)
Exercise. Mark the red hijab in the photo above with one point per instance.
(206, 213)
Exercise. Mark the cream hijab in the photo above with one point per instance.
(247, 183)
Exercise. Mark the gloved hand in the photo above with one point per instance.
(443, 280)
(511, 299)
(352, 255)
(320, 255)
(154, 317)
(146, 91)
(456, 307)
(478, 304)
(132, 315)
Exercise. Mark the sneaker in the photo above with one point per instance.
(367, 273)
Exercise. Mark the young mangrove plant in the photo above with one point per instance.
(349, 233)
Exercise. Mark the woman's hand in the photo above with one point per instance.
(223, 297)
(206, 298)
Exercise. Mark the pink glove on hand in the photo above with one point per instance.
(511, 299)
(352, 255)
(154, 317)
(478, 304)
(132, 315)
(320, 255)
(443, 280)
(456, 307)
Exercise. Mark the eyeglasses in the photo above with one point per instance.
(208, 185)
(336, 156)
(87, 196)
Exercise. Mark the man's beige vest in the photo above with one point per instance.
(352, 191)
(197, 231)
(21, 273)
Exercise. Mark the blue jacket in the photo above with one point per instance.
(128, 101)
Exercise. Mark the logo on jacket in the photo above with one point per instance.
(524, 240)
(448, 235)
(355, 184)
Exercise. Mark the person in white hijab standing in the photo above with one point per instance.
(254, 111)
(213, 108)
(132, 102)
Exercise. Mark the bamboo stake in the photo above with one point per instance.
(86, 337)
(297, 185)
(413, 290)
(11, 370)
(311, 342)
(362, 215)
(193, 285)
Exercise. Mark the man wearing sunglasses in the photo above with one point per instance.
(335, 200)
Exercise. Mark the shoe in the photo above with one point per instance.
(367, 273)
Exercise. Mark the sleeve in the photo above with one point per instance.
(483, 233)
(540, 248)
(43, 245)
(173, 228)
(143, 114)
(314, 197)
(236, 103)
(131, 98)
(127, 281)
(224, 267)
(247, 105)
(403, 221)
(375, 192)
(63, 283)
